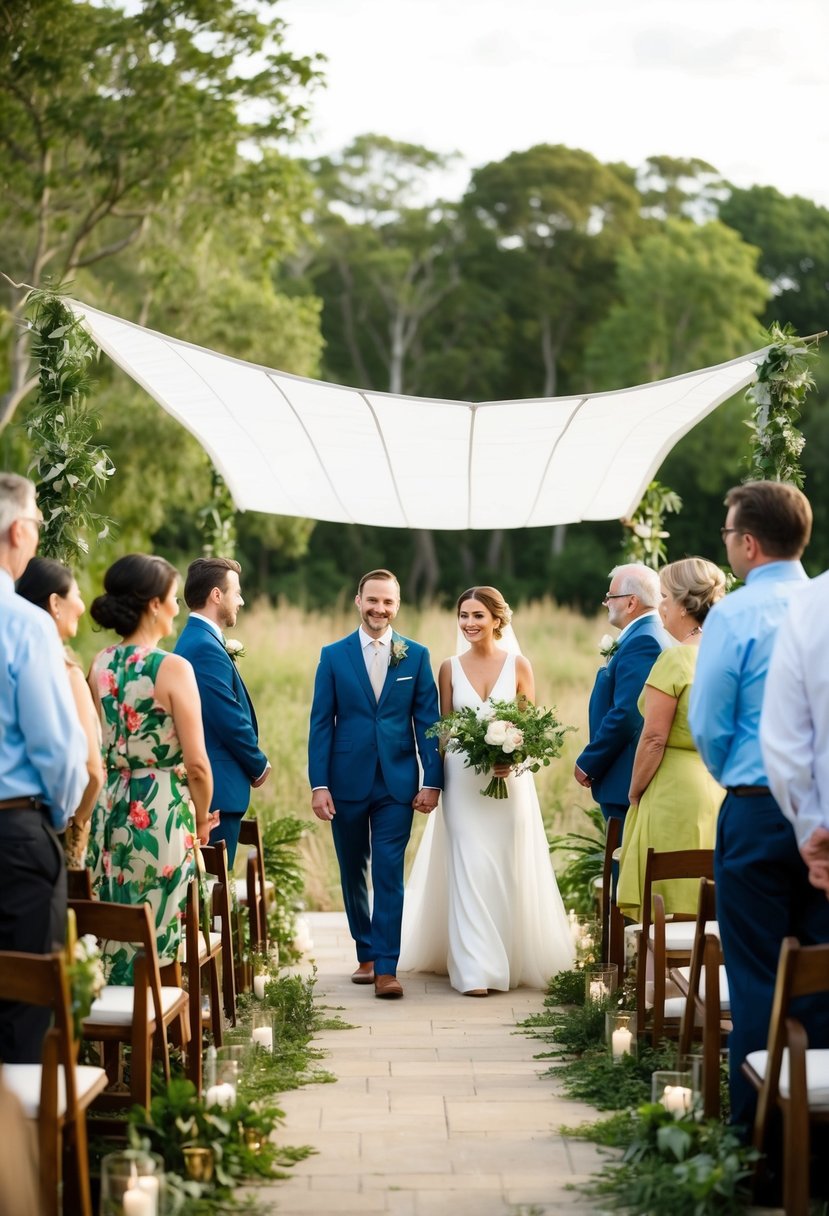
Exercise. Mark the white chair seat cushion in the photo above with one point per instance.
(679, 934)
(24, 1081)
(725, 996)
(817, 1074)
(215, 940)
(242, 889)
(115, 1005)
(597, 882)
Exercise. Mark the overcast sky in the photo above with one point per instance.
(743, 84)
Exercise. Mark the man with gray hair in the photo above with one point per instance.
(606, 764)
(43, 773)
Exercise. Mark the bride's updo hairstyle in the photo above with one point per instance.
(492, 599)
(129, 585)
(695, 584)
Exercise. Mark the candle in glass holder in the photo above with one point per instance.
(598, 990)
(259, 982)
(621, 1043)
(137, 1202)
(263, 1035)
(676, 1099)
(223, 1095)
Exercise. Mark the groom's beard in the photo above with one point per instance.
(376, 623)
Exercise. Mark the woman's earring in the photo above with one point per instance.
(57, 614)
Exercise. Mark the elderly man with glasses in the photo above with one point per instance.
(43, 753)
(606, 764)
(763, 891)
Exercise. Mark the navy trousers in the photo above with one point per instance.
(230, 825)
(32, 919)
(763, 895)
(374, 830)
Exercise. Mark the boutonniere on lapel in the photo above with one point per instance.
(235, 648)
(399, 650)
(608, 647)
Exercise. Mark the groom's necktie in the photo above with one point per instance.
(377, 671)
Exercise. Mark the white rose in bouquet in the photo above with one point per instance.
(496, 732)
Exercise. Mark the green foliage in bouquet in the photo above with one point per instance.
(85, 974)
(516, 732)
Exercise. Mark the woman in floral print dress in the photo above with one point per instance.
(158, 781)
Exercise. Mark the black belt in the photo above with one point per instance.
(749, 791)
(27, 802)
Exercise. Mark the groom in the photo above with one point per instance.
(374, 699)
(606, 764)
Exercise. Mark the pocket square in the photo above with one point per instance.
(400, 679)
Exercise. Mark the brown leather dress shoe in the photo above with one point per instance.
(364, 974)
(387, 987)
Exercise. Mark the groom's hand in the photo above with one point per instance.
(425, 801)
(582, 777)
(322, 804)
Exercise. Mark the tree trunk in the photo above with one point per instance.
(424, 574)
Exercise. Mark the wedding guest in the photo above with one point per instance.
(794, 726)
(158, 782)
(606, 764)
(52, 587)
(763, 889)
(374, 700)
(42, 768)
(214, 597)
(673, 799)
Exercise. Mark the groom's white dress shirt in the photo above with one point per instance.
(794, 728)
(367, 643)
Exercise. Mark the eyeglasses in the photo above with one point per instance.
(724, 532)
(618, 595)
(40, 524)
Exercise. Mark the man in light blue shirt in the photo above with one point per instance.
(763, 890)
(43, 772)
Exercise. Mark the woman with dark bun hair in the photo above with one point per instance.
(158, 782)
(52, 587)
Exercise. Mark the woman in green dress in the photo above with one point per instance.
(674, 801)
(156, 798)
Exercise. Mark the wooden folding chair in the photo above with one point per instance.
(256, 892)
(789, 1074)
(129, 1014)
(704, 990)
(665, 941)
(79, 884)
(57, 1092)
(202, 952)
(215, 864)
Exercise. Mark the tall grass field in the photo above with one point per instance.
(282, 646)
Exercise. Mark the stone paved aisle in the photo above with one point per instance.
(438, 1107)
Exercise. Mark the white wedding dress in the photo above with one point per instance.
(482, 901)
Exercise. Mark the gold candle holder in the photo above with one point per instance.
(252, 1139)
(198, 1163)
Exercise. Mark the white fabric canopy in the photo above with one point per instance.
(292, 446)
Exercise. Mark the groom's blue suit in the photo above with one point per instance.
(364, 751)
(230, 728)
(615, 721)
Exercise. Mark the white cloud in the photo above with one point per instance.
(743, 84)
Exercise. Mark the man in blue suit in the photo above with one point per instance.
(606, 764)
(374, 699)
(213, 595)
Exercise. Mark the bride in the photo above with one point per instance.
(482, 902)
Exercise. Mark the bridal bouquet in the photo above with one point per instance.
(516, 733)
